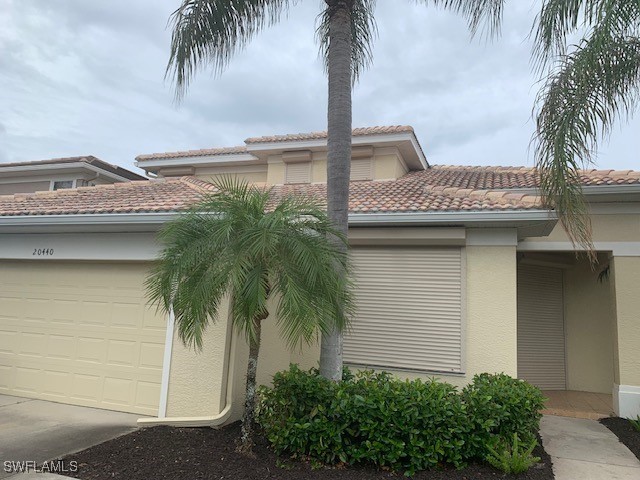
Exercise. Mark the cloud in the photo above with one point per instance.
(80, 78)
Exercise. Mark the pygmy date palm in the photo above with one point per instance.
(589, 86)
(212, 31)
(262, 253)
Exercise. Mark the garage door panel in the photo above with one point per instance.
(7, 376)
(80, 333)
(56, 383)
(8, 341)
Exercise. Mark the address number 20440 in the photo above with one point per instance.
(42, 252)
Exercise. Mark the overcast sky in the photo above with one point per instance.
(80, 77)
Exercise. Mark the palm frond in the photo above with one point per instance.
(212, 31)
(243, 242)
(364, 31)
(479, 13)
(594, 86)
(560, 18)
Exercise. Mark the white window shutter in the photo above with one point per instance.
(409, 309)
(298, 172)
(361, 169)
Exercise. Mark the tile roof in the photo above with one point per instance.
(85, 158)
(88, 159)
(130, 197)
(194, 153)
(295, 137)
(440, 188)
(357, 132)
(514, 177)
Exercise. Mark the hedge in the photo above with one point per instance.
(404, 426)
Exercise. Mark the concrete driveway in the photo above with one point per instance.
(36, 430)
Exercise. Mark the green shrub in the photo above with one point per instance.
(404, 426)
(513, 457)
(501, 406)
(372, 418)
(635, 423)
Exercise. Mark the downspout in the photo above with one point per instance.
(209, 421)
(166, 365)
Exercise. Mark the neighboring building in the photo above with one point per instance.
(459, 270)
(60, 173)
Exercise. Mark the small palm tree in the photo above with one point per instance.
(243, 243)
(589, 87)
(212, 31)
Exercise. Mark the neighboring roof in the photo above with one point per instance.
(89, 159)
(357, 132)
(126, 197)
(296, 137)
(439, 189)
(514, 177)
(195, 153)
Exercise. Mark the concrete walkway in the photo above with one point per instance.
(37, 431)
(586, 450)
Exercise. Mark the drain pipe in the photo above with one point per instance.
(209, 421)
(166, 364)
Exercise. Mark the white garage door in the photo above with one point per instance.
(80, 333)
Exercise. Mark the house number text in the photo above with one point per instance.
(42, 252)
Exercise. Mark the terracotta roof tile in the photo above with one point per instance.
(498, 178)
(130, 197)
(357, 132)
(195, 153)
(435, 189)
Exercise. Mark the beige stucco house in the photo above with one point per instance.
(60, 173)
(459, 270)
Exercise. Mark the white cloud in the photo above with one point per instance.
(80, 77)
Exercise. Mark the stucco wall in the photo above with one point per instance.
(606, 228)
(274, 357)
(491, 335)
(387, 167)
(197, 379)
(589, 326)
(387, 164)
(249, 173)
(625, 278)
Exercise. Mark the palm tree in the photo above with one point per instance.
(243, 243)
(588, 88)
(212, 31)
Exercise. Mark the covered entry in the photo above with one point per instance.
(565, 331)
(80, 333)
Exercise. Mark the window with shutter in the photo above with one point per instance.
(361, 169)
(409, 309)
(298, 172)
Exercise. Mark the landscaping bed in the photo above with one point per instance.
(625, 432)
(202, 453)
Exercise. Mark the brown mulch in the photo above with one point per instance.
(167, 453)
(625, 432)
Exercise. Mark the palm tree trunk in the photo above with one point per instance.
(339, 154)
(248, 418)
